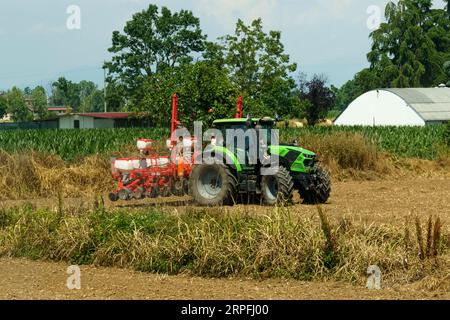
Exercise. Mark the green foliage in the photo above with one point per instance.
(411, 47)
(152, 41)
(408, 142)
(447, 71)
(447, 134)
(65, 93)
(409, 50)
(320, 99)
(17, 106)
(205, 93)
(260, 68)
(81, 97)
(419, 142)
(3, 105)
(39, 102)
(363, 82)
(73, 144)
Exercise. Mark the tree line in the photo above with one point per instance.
(160, 52)
(32, 104)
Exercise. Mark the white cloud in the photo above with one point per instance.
(226, 12)
(280, 13)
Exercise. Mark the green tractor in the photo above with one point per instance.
(228, 176)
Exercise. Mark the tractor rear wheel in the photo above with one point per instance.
(277, 189)
(213, 185)
(321, 189)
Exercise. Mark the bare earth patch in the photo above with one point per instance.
(23, 279)
(382, 201)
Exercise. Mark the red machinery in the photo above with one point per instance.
(152, 175)
(239, 113)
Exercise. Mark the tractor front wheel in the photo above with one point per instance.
(321, 188)
(213, 185)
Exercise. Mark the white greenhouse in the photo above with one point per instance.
(398, 107)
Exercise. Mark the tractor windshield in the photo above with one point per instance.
(269, 136)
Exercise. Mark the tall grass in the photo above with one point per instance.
(217, 243)
(37, 175)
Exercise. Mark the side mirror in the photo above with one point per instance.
(277, 118)
(249, 121)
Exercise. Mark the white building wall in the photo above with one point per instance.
(379, 108)
(68, 122)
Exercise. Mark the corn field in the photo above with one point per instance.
(416, 142)
(73, 144)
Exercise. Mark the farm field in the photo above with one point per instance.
(219, 152)
(54, 211)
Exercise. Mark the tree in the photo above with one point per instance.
(447, 71)
(39, 102)
(259, 67)
(205, 92)
(94, 102)
(320, 99)
(3, 105)
(66, 93)
(17, 106)
(363, 82)
(411, 47)
(115, 97)
(151, 42)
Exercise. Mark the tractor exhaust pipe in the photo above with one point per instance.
(239, 113)
(174, 121)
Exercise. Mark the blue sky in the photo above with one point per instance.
(322, 36)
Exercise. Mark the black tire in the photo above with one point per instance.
(321, 189)
(113, 197)
(277, 189)
(213, 185)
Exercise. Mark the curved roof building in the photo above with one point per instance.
(398, 107)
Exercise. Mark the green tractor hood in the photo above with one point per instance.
(295, 158)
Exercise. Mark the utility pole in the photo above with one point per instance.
(104, 87)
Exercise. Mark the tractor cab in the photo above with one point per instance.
(246, 138)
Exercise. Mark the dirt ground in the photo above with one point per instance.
(381, 201)
(23, 279)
